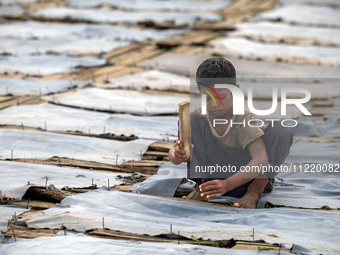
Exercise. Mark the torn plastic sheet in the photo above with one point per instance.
(120, 101)
(70, 46)
(309, 152)
(153, 4)
(17, 177)
(291, 53)
(304, 14)
(164, 183)
(335, 114)
(6, 213)
(116, 16)
(80, 244)
(45, 64)
(294, 192)
(30, 29)
(289, 34)
(59, 118)
(33, 86)
(320, 129)
(44, 145)
(151, 215)
(10, 10)
(187, 64)
(152, 79)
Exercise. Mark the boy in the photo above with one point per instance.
(235, 145)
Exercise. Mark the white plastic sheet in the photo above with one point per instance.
(335, 114)
(10, 2)
(142, 214)
(70, 46)
(153, 4)
(120, 101)
(293, 192)
(320, 129)
(304, 14)
(80, 244)
(59, 118)
(6, 213)
(153, 79)
(33, 86)
(187, 64)
(16, 178)
(44, 145)
(309, 152)
(278, 32)
(108, 16)
(10, 10)
(39, 30)
(291, 53)
(312, 2)
(45, 64)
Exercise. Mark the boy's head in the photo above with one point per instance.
(217, 71)
(217, 68)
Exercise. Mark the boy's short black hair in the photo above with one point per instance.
(217, 67)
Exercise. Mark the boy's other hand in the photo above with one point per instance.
(212, 189)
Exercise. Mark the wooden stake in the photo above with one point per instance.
(104, 130)
(14, 234)
(103, 223)
(46, 182)
(45, 126)
(28, 202)
(117, 159)
(92, 181)
(22, 124)
(178, 236)
(1, 199)
(184, 127)
(170, 228)
(11, 154)
(108, 184)
(253, 234)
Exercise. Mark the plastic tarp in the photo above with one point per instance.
(153, 4)
(309, 152)
(292, 192)
(116, 16)
(278, 32)
(335, 114)
(321, 129)
(70, 46)
(45, 64)
(6, 213)
(17, 177)
(304, 14)
(44, 145)
(120, 101)
(152, 79)
(80, 244)
(10, 2)
(150, 215)
(59, 118)
(10, 10)
(312, 2)
(33, 86)
(291, 53)
(39, 30)
(187, 64)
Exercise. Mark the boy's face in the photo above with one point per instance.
(218, 110)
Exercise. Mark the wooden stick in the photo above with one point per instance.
(184, 127)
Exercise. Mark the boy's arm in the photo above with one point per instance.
(259, 156)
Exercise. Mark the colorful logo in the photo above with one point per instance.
(212, 89)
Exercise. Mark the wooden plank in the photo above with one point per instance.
(184, 127)
(161, 146)
(20, 100)
(156, 153)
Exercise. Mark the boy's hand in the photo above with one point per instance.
(212, 189)
(180, 155)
